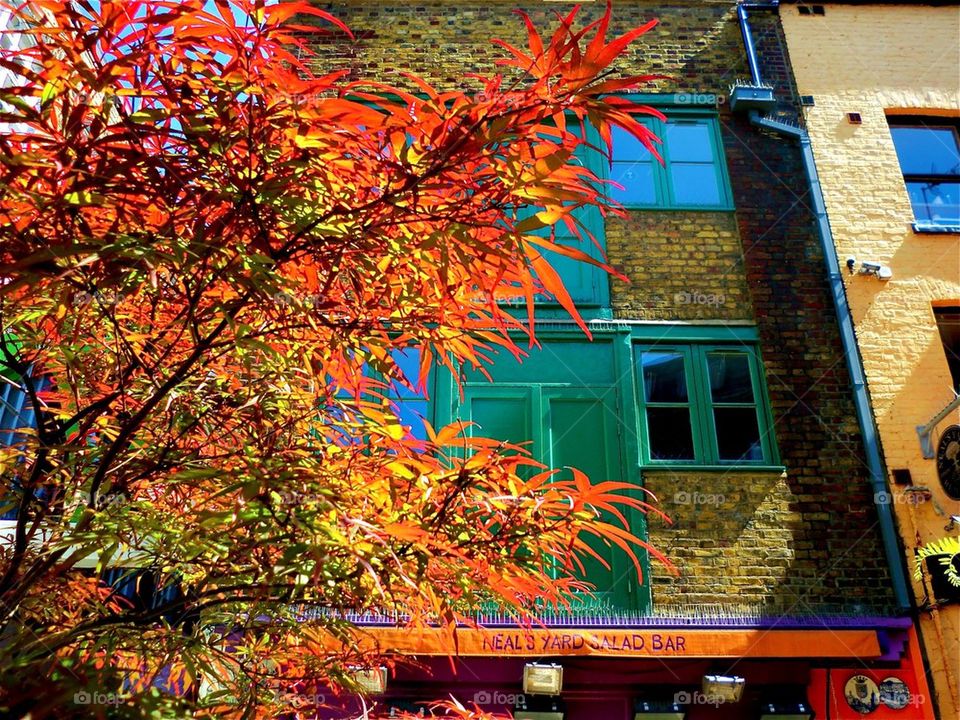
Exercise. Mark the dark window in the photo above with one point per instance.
(929, 154)
(702, 404)
(948, 322)
(670, 435)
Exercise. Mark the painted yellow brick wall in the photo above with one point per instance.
(874, 60)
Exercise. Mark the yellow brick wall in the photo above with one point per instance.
(874, 60)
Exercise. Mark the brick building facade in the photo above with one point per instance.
(877, 90)
(783, 576)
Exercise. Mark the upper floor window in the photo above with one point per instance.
(948, 323)
(587, 285)
(693, 174)
(929, 152)
(702, 405)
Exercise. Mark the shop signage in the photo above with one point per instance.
(941, 558)
(692, 643)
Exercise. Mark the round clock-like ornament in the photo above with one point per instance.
(948, 461)
(862, 694)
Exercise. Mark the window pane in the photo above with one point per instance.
(689, 142)
(730, 378)
(669, 433)
(637, 180)
(935, 202)
(927, 150)
(738, 436)
(664, 379)
(626, 147)
(694, 184)
(411, 414)
(948, 323)
(408, 361)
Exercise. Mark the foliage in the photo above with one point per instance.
(206, 248)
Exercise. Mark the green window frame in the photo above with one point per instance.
(588, 285)
(693, 174)
(410, 406)
(719, 416)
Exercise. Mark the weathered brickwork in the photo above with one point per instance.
(737, 529)
(681, 265)
(877, 60)
(804, 541)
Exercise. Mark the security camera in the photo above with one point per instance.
(868, 267)
(851, 263)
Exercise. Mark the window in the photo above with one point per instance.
(410, 406)
(16, 414)
(587, 284)
(929, 153)
(702, 405)
(693, 174)
(948, 322)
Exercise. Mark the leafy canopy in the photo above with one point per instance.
(209, 251)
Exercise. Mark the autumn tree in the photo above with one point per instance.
(211, 257)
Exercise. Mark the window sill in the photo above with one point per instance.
(930, 229)
(733, 467)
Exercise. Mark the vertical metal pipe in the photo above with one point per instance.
(861, 398)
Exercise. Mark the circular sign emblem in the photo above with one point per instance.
(862, 694)
(894, 693)
(948, 461)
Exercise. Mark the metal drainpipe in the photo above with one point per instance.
(861, 399)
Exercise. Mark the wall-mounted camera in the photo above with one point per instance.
(869, 267)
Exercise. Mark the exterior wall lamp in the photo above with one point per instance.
(724, 688)
(540, 679)
(371, 681)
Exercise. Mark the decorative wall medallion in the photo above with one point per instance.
(862, 694)
(894, 693)
(948, 461)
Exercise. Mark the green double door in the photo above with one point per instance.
(564, 424)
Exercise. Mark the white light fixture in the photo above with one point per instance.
(723, 688)
(542, 679)
(371, 681)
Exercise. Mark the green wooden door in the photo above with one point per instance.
(580, 427)
(565, 427)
